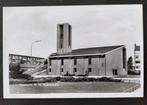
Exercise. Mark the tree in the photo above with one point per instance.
(45, 62)
(16, 72)
(130, 63)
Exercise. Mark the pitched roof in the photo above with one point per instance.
(88, 51)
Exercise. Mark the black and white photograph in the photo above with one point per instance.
(85, 51)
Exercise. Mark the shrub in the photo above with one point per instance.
(81, 75)
(16, 72)
(85, 79)
(57, 78)
(131, 72)
(106, 79)
(67, 79)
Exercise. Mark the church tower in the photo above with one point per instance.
(64, 38)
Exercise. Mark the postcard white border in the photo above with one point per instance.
(7, 94)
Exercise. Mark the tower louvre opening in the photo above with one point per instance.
(64, 38)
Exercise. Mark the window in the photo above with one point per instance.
(62, 70)
(62, 62)
(50, 70)
(89, 70)
(124, 58)
(136, 57)
(61, 36)
(75, 69)
(89, 61)
(137, 61)
(50, 62)
(69, 40)
(61, 41)
(75, 61)
(115, 72)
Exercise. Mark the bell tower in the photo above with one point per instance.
(64, 44)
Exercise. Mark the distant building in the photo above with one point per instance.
(26, 59)
(137, 58)
(97, 61)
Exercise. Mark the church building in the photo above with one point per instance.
(95, 61)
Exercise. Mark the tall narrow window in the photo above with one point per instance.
(62, 62)
(115, 72)
(124, 57)
(89, 69)
(69, 40)
(61, 36)
(61, 41)
(89, 61)
(75, 61)
(50, 70)
(75, 69)
(62, 70)
(50, 62)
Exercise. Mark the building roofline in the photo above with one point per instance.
(114, 49)
(26, 56)
(76, 55)
(56, 56)
(99, 47)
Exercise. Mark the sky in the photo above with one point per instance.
(92, 26)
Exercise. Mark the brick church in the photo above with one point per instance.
(95, 61)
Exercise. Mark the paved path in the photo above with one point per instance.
(135, 80)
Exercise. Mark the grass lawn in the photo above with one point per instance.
(74, 87)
